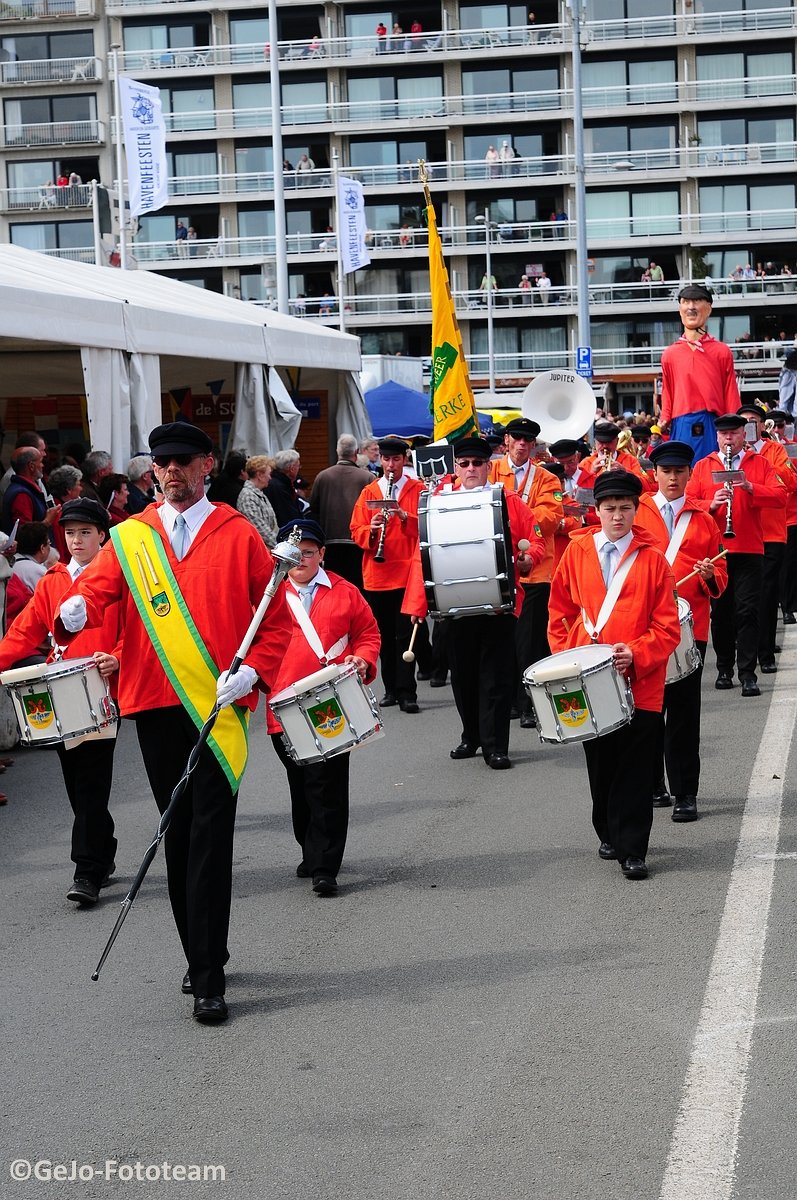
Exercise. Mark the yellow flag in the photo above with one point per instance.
(451, 398)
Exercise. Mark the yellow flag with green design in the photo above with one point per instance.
(451, 397)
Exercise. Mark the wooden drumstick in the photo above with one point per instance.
(523, 545)
(692, 574)
(408, 655)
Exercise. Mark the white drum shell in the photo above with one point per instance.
(339, 685)
(685, 658)
(578, 694)
(60, 701)
(466, 553)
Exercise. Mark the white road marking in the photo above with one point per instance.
(702, 1159)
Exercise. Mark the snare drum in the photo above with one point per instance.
(466, 552)
(685, 658)
(578, 694)
(61, 701)
(327, 713)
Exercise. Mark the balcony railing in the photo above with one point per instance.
(51, 70)
(83, 254)
(47, 198)
(46, 10)
(692, 25)
(714, 91)
(56, 133)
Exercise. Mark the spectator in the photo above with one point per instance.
(303, 168)
(302, 489)
(525, 289)
(493, 161)
(281, 490)
(24, 500)
(228, 484)
(33, 551)
(485, 286)
(332, 501)
(252, 501)
(191, 238)
(142, 483)
(369, 451)
(113, 492)
(23, 439)
(96, 465)
(381, 38)
(544, 287)
(507, 156)
(64, 484)
(181, 238)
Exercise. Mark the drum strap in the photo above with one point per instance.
(178, 643)
(611, 598)
(528, 480)
(311, 633)
(679, 533)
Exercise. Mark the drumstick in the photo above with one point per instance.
(523, 545)
(692, 574)
(408, 655)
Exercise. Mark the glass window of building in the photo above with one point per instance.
(188, 107)
(615, 82)
(304, 102)
(54, 235)
(251, 105)
(632, 214)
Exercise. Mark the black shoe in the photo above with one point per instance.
(514, 713)
(768, 668)
(438, 681)
(607, 851)
(108, 876)
(634, 868)
(528, 720)
(724, 682)
(409, 706)
(685, 808)
(325, 885)
(185, 986)
(661, 797)
(499, 762)
(83, 891)
(388, 700)
(424, 676)
(789, 618)
(778, 649)
(302, 871)
(209, 1010)
(464, 750)
(750, 688)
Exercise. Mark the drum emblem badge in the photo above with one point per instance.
(39, 710)
(327, 718)
(160, 604)
(571, 708)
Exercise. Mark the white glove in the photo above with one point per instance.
(233, 687)
(73, 614)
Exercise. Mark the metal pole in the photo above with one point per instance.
(280, 231)
(490, 342)
(121, 174)
(582, 275)
(95, 223)
(341, 284)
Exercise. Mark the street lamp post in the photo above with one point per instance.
(121, 174)
(488, 228)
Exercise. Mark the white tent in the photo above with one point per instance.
(122, 338)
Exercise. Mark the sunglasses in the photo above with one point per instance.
(182, 460)
(472, 462)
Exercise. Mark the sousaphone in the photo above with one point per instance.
(562, 404)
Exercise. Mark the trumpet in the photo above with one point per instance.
(605, 460)
(380, 547)
(729, 533)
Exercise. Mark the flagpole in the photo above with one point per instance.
(280, 234)
(120, 175)
(339, 242)
(95, 224)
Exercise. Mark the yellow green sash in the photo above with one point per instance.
(178, 643)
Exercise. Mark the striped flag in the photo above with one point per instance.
(451, 397)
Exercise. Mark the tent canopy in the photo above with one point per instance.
(394, 408)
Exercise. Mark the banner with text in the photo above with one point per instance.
(351, 218)
(451, 397)
(145, 146)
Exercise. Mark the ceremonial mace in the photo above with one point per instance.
(287, 557)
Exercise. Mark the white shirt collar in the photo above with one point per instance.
(518, 469)
(623, 544)
(194, 516)
(320, 579)
(398, 486)
(74, 569)
(675, 505)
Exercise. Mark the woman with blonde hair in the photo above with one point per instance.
(252, 501)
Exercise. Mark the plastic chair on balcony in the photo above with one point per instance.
(216, 250)
(83, 70)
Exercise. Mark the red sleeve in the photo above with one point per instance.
(768, 492)
(364, 637)
(663, 632)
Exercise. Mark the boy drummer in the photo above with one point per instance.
(614, 587)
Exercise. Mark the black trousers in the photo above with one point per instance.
(679, 737)
(788, 572)
(346, 559)
(620, 770)
(440, 635)
(531, 634)
(199, 841)
(395, 630)
(734, 616)
(482, 656)
(319, 808)
(774, 553)
(88, 775)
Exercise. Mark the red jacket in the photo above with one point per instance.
(335, 611)
(222, 578)
(645, 616)
(698, 380)
(400, 540)
(591, 468)
(521, 525)
(544, 500)
(701, 540)
(36, 620)
(773, 520)
(768, 492)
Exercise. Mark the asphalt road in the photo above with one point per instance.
(485, 1011)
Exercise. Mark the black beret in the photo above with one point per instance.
(616, 483)
(672, 454)
(779, 417)
(392, 445)
(695, 291)
(311, 531)
(522, 427)
(179, 437)
(752, 407)
(606, 431)
(84, 509)
(729, 421)
(565, 447)
(476, 446)
(556, 469)
(640, 433)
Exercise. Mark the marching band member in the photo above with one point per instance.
(570, 453)
(396, 534)
(734, 614)
(88, 766)
(774, 533)
(331, 623)
(542, 494)
(482, 647)
(689, 539)
(618, 567)
(788, 574)
(607, 457)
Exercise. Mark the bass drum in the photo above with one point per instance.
(466, 553)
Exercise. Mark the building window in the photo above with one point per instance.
(727, 207)
(738, 75)
(615, 82)
(54, 235)
(632, 214)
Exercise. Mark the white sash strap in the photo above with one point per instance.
(611, 598)
(679, 533)
(311, 634)
(529, 480)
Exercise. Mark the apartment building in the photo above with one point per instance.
(689, 138)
